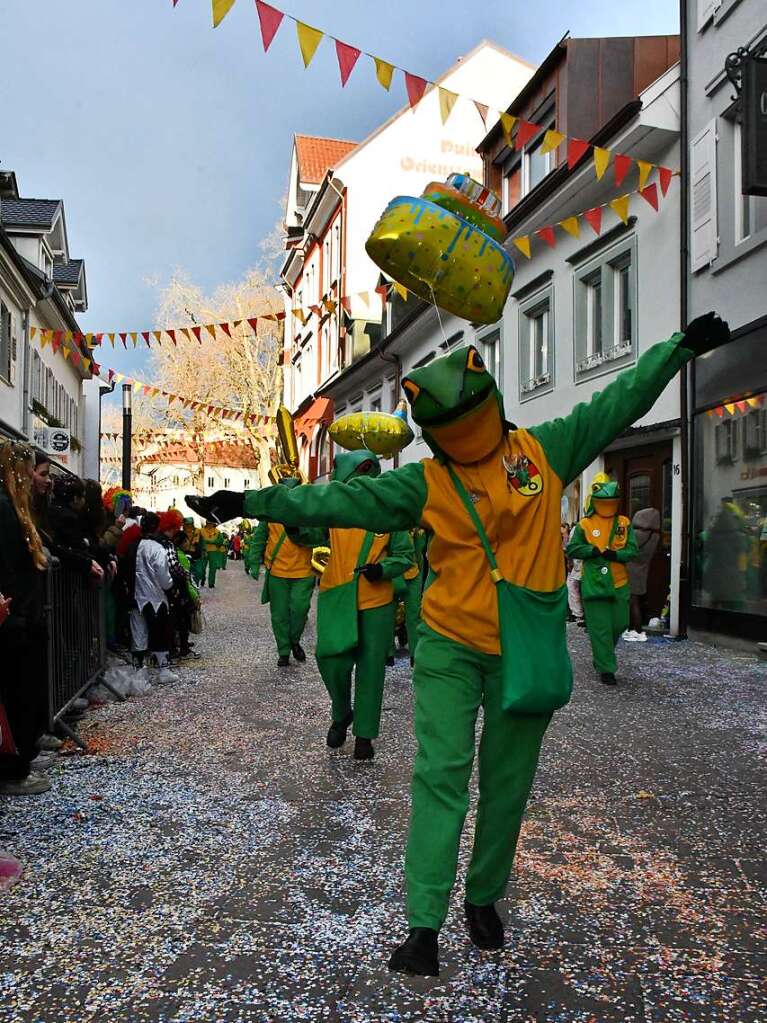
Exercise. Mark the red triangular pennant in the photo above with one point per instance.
(525, 131)
(383, 291)
(346, 303)
(546, 234)
(665, 174)
(576, 148)
(622, 167)
(416, 87)
(650, 194)
(225, 328)
(172, 335)
(347, 58)
(253, 321)
(270, 19)
(594, 217)
(197, 331)
(124, 338)
(145, 335)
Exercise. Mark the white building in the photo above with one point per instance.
(337, 192)
(41, 288)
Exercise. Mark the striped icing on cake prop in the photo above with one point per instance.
(446, 247)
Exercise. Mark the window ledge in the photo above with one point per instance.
(738, 252)
(536, 383)
(610, 355)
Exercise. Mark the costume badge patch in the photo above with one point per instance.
(523, 476)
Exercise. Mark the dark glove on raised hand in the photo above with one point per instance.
(595, 552)
(219, 507)
(609, 554)
(372, 572)
(706, 333)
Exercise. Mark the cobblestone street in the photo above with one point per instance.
(211, 860)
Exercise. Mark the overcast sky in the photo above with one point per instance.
(170, 142)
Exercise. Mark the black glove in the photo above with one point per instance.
(706, 333)
(219, 507)
(609, 554)
(595, 552)
(372, 572)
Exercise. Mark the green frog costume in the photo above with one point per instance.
(214, 549)
(288, 585)
(494, 607)
(604, 541)
(355, 612)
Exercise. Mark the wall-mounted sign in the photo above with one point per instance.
(53, 441)
(754, 127)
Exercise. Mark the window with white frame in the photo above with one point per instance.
(536, 164)
(5, 341)
(336, 259)
(755, 434)
(326, 267)
(750, 210)
(726, 441)
(536, 343)
(490, 349)
(605, 308)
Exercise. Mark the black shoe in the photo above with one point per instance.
(283, 660)
(607, 678)
(337, 731)
(298, 653)
(389, 662)
(363, 749)
(485, 926)
(412, 662)
(419, 955)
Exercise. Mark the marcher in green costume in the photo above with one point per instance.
(604, 541)
(491, 498)
(288, 586)
(212, 542)
(355, 614)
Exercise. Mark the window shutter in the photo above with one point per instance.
(704, 237)
(706, 11)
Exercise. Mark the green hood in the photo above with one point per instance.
(290, 482)
(352, 463)
(448, 388)
(604, 490)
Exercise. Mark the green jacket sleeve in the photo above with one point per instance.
(579, 548)
(387, 503)
(258, 545)
(309, 537)
(400, 558)
(574, 441)
(630, 550)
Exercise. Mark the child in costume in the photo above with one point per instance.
(494, 608)
(604, 541)
(288, 585)
(355, 613)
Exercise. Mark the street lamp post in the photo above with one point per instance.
(127, 428)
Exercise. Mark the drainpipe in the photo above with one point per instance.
(687, 375)
(27, 374)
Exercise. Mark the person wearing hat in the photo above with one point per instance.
(604, 541)
(355, 613)
(493, 630)
(288, 585)
(213, 544)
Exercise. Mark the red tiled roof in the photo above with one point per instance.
(233, 456)
(316, 155)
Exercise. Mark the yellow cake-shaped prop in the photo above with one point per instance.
(446, 247)
(382, 433)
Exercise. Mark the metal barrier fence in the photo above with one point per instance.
(77, 649)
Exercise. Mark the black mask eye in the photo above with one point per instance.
(363, 468)
(474, 361)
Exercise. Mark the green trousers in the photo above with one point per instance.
(374, 632)
(289, 603)
(451, 682)
(198, 570)
(606, 619)
(412, 612)
(211, 563)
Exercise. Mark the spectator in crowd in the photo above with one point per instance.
(23, 633)
(646, 526)
(64, 530)
(154, 581)
(187, 604)
(125, 584)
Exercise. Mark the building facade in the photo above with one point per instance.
(334, 315)
(725, 269)
(41, 289)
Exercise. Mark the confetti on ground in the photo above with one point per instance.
(209, 860)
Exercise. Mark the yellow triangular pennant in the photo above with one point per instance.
(157, 334)
(523, 244)
(86, 364)
(67, 335)
(551, 140)
(601, 160)
(308, 40)
(645, 170)
(89, 339)
(507, 123)
(571, 225)
(220, 10)
(185, 331)
(384, 72)
(32, 331)
(134, 338)
(446, 103)
(621, 207)
(137, 385)
(401, 290)
(211, 329)
(111, 339)
(66, 352)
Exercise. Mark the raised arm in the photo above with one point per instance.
(390, 502)
(400, 558)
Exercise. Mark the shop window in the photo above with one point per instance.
(605, 310)
(536, 343)
(750, 210)
(730, 506)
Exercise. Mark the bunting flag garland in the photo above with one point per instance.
(571, 225)
(270, 19)
(743, 406)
